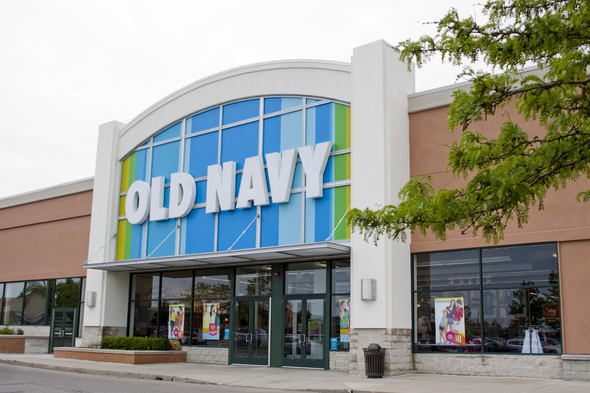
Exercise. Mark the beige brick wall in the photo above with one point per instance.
(398, 356)
(576, 367)
(207, 355)
(528, 366)
(339, 361)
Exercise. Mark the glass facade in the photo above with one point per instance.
(234, 132)
(497, 299)
(32, 302)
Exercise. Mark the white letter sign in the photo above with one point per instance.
(137, 202)
(157, 210)
(314, 165)
(221, 187)
(253, 186)
(183, 192)
(280, 174)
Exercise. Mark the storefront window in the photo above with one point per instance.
(175, 320)
(501, 299)
(210, 283)
(13, 303)
(143, 319)
(253, 281)
(305, 278)
(211, 322)
(35, 300)
(145, 286)
(341, 277)
(340, 307)
(67, 292)
(1, 301)
(177, 285)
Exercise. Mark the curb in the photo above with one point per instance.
(158, 377)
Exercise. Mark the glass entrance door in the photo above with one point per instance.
(251, 332)
(63, 326)
(304, 333)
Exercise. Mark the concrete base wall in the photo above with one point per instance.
(530, 366)
(92, 335)
(339, 361)
(398, 357)
(32, 330)
(207, 355)
(576, 367)
(37, 345)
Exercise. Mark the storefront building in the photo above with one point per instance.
(217, 219)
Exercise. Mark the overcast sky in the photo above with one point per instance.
(68, 66)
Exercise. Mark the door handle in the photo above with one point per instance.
(250, 337)
(60, 333)
(302, 338)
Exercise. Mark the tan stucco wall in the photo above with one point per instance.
(574, 269)
(562, 220)
(45, 239)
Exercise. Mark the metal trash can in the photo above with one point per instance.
(374, 361)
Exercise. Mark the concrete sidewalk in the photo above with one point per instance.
(298, 379)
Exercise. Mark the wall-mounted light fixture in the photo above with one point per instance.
(368, 289)
(91, 299)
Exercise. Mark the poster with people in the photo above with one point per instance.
(211, 321)
(344, 320)
(176, 322)
(450, 321)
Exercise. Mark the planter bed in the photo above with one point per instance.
(10, 343)
(119, 356)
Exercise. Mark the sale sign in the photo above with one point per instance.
(450, 321)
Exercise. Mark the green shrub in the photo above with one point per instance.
(135, 343)
(20, 332)
(6, 330)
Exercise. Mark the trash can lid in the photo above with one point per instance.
(374, 346)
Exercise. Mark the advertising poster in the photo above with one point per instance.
(344, 320)
(176, 322)
(211, 321)
(450, 320)
(315, 330)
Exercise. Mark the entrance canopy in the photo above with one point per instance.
(309, 251)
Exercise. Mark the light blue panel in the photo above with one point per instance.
(311, 100)
(269, 225)
(182, 250)
(201, 192)
(290, 221)
(136, 241)
(157, 231)
(290, 102)
(200, 232)
(169, 133)
(329, 172)
(165, 160)
(291, 129)
(310, 127)
(298, 176)
(200, 152)
(231, 226)
(324, 215)
(141, 164)
(241, 111)
(203, 121)
(309, 220)
(239, 143)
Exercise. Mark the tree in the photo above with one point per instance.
(512, 173)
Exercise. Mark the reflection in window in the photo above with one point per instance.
(145, 286)
(143, 318)
(211, 323)
(177, 285)
(34, 313)
(213, 283)
(305, 278)
(13, 303)
(516, 301)
(253, 281)
(67, 292)
(341, 277)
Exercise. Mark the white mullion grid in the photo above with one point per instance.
(303, 139)
(148, 173)
(181, 166)
(216, 234)
(260, 153)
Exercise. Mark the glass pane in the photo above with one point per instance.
(447, 321)
(240, 111)
(522, 320)
(51, 296)
(242, 328)
(213, 283)
(439, 270)
(1, 300)
(293, 334)
(203, 121)
(69, 328)
(67, 292)
(314, 343)
(13, 303)
(169, 133)
(211, 322)
(177, 323)
(145, 286)
(261, 329)
(305, 278)
(340, 323)
(58, 329)
(341, 277)
(253, 281)
(518, 266)
(177, 285)
(34, 313)
(200, 152)
(143, 318)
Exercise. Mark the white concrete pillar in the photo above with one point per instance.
(112, 289)
(380, 167)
